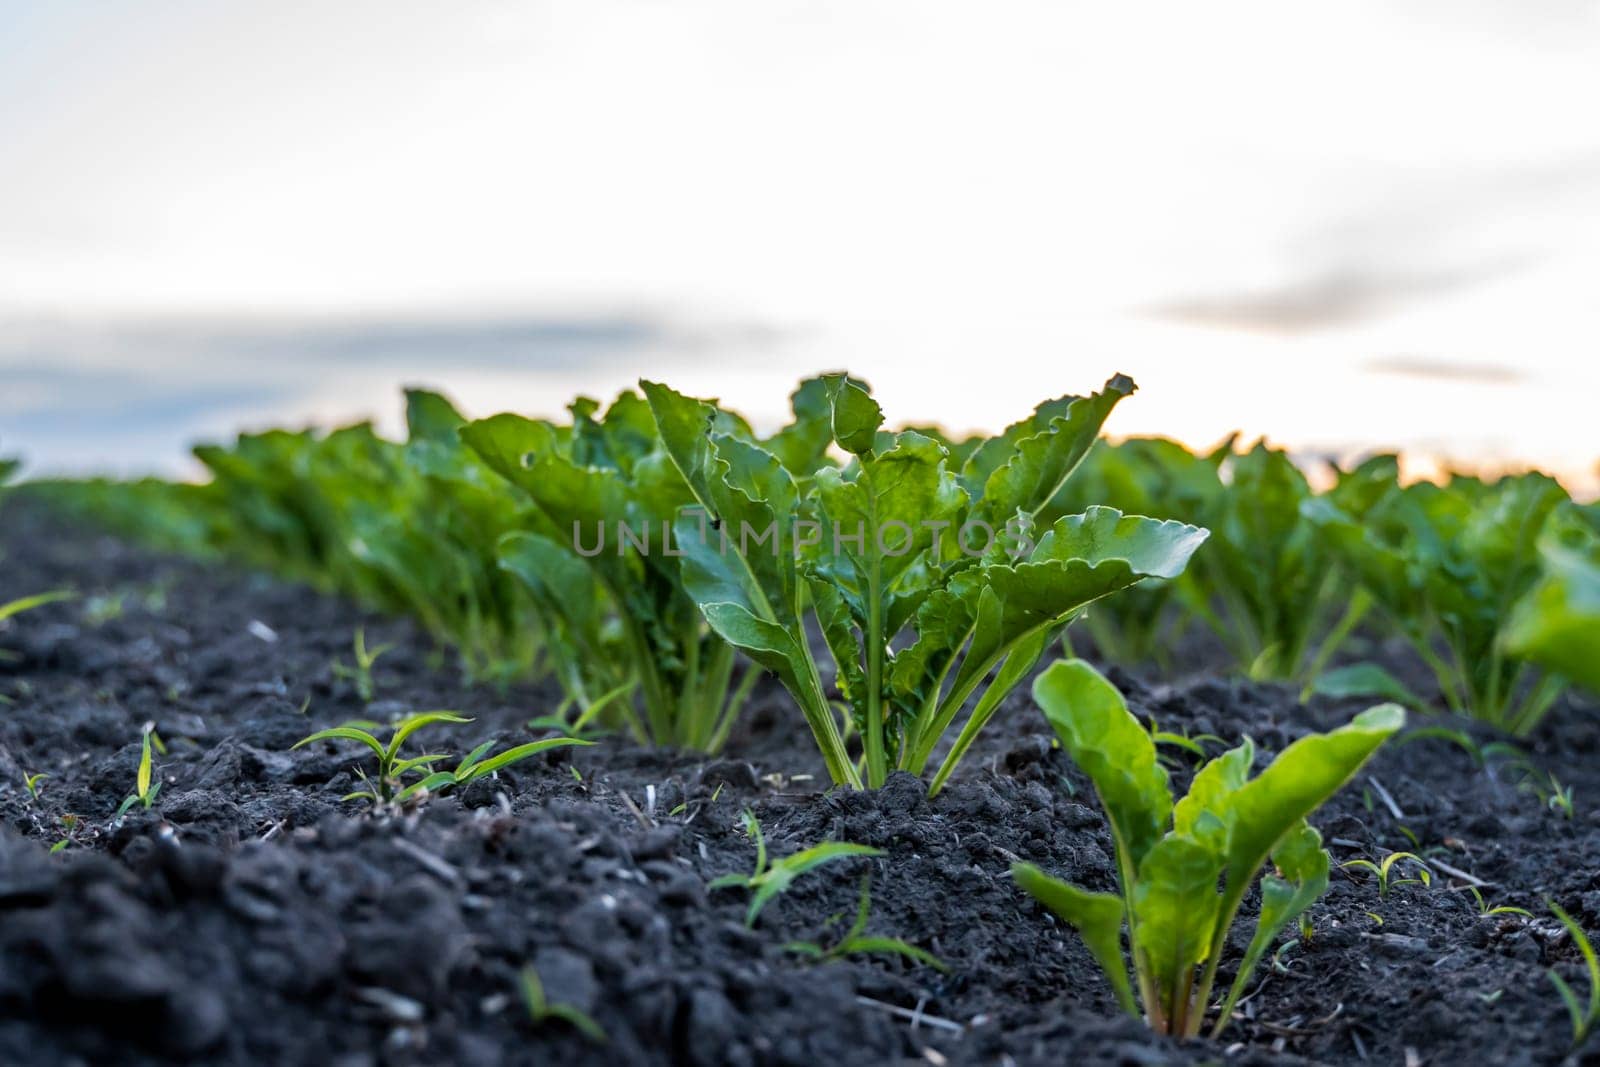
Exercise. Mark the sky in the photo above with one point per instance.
(1371, 225)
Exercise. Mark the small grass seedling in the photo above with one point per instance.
(584, 725)
(856, 940)
(1384, 869)
(28, 603)
(541, 1011)
(473, 766)
(1486, 912)
(1194, 745)
(773, 877)
(146, 786)
(30, 782)
(389, 785)
(360, 675)
(69, 831)
(1560, 798)
(1584, 1016)
(391, 767)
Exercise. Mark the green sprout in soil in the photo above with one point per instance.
(389, 785)
(1385, 868)
(146, 787)
(1172, 858)
(541, 1011)
(473, 766)
(28, 603)
(773, 877)
(1486, 912)
(69, 832)
(1194, 745)
(856, 941)
(1584, 1016)
(1557, 798)
(586, 723)
(360, 675)
(30, 782)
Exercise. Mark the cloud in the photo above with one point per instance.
(1329, 300)
(1446, 370)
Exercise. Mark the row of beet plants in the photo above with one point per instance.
(657, 554)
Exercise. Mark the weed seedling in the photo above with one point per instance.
(31, 783)
(69, 831)
(28, 603)
(856, 940)
(146, 788)
(541, 1011)
(1560, 798)
(360, 675)
(1485, 911)
(392, 768)
(584, 724)
(1584, 1016)
(771, 878)
(1385, 868)
(473, 766)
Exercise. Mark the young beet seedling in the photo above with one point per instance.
(1385, 867)
(360, 675)
(1171, 858)
(771, 878)
(856, 940)
(145, 789)
(388, 786)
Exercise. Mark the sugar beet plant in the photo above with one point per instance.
(1557, 623)
(593, 553)
(1447, 565)
(1265, 583)
(1173, 857)
(1143, 476)
(923, 578)
(404, 526)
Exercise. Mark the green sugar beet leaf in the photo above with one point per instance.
(1023, 468)
(1557, 623)
(1184, 869)
(1107, 742)
(1174, 907)
(1446, 565)
(1096, 916)
(595, 556)
(896, 541)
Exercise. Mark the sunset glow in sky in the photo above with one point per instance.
(1375, 226)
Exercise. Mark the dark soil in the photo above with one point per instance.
(253, 917)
